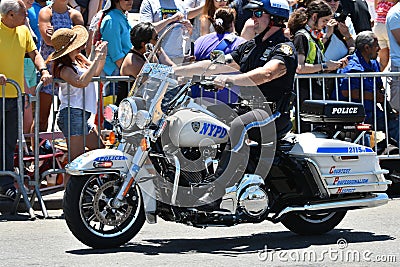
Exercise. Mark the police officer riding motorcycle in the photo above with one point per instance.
(269, 60)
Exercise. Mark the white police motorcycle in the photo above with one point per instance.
(170, 143)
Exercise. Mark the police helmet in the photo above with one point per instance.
(277, 8)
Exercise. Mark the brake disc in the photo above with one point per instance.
(105, 213)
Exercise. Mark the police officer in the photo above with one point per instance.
(269, 61)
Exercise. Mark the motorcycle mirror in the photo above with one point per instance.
(217, 56)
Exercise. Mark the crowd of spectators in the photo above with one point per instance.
(323, 31)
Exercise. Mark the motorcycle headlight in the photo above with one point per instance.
(143, 118)
(127, 113)
(110, 113)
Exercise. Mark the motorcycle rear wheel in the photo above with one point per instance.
(312, 224)
(89, 216)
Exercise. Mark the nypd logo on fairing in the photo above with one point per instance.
(109, 158)
(213, 130)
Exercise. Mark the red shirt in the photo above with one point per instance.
(381, 10)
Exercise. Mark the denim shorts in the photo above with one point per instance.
(78, 124)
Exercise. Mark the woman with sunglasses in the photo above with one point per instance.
(207, 18)
(141, 34)
(249, 32)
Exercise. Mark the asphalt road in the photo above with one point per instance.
(364, 238)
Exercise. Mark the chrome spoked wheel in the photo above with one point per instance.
(91, 217)
(98, 214)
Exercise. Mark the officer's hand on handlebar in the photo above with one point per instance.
(221, 81)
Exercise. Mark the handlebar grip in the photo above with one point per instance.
(207, 82)
(229, 84)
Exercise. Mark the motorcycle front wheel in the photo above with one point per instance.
(90, 217)
(303, 223)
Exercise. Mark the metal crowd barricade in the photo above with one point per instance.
(36, 183)
(337, 78)
(19, 177)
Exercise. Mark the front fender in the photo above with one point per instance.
(85, 163)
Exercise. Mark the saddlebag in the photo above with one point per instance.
(340, 167)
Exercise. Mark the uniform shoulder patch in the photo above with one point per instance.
(286, 49)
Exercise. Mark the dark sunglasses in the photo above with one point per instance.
(258, 13)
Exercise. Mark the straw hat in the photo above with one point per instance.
(66, 40)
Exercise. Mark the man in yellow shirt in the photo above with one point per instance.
(15, 41)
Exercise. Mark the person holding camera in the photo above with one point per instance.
(339, 31)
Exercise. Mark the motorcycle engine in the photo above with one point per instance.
(254, 201)
(192, 164)
(194, 167)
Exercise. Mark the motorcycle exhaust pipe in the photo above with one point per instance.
(374, 200)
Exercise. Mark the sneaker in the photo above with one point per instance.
(10, 193)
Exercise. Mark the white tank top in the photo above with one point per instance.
(76, 95)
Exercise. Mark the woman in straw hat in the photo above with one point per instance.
(74, 68)
(52, 17)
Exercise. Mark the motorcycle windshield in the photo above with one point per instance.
(152, 84)
(154, 79)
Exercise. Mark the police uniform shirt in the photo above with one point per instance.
(256, 53)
